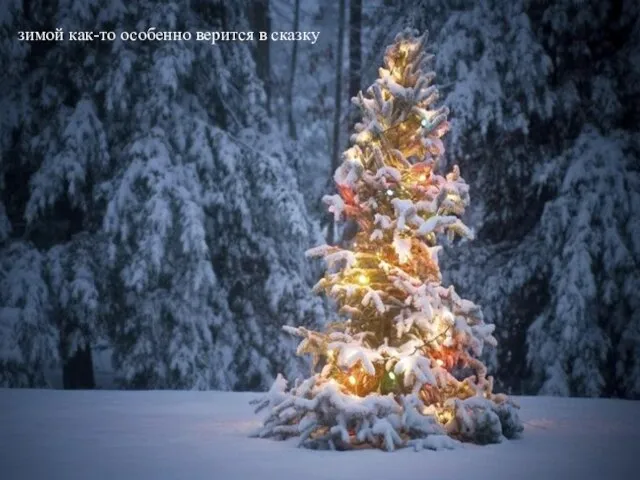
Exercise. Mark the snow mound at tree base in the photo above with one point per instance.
(327, 418)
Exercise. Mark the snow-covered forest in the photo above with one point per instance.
(157, 198)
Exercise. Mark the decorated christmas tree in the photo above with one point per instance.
(401, 364)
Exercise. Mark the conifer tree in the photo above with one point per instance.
(134, 217)
(401, 365)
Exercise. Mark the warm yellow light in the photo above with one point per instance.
(422, 177)
(439, 362)
(330, 354)
(352, 380)
(444, 416)
(363, 279)
(392, 375)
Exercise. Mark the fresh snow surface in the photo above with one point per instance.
(52, 434)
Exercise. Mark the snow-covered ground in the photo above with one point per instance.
(50, 434)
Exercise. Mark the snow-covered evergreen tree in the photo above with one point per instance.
(205, 218)
(389, 362)
(160, 208)
(28, 340)
(54, 152)
(590, 224)
(586, 341)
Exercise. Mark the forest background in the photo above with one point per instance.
(157, 198)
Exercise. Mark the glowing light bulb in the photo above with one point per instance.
(439, 362)
(422, 177)
(352, 380)
(392, 375)
(363, 279)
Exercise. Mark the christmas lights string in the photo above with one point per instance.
(432, 340)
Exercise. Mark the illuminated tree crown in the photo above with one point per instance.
(386, 366)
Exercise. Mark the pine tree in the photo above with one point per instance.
(401, 364)
(585, 342)
(54, 152)
(147, 203)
